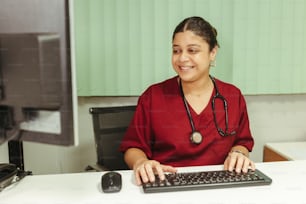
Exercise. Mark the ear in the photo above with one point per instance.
(213, 53)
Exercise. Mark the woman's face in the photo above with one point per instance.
(191, 57)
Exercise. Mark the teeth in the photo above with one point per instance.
(185, 68)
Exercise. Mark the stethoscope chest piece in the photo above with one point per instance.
(196, 137)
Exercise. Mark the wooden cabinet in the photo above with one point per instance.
(284, 151)
(270, 154)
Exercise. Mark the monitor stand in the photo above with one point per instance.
(15, 149)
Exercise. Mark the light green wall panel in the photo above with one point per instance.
(269, 46)
(123, 46)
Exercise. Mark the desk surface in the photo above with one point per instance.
(289, 183)
(289, 150)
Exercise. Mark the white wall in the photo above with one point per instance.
(272, 118)
(276, 118)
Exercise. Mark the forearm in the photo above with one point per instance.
(133, 156)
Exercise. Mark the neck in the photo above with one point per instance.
(196, 88)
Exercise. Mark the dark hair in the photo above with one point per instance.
(200, 27)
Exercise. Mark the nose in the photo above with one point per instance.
(183, 56)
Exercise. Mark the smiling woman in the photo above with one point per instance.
(163, 136)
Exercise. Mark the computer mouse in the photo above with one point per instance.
(111, 182)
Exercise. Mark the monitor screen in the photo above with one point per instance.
(37, 92)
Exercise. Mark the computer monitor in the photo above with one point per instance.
(37, 88)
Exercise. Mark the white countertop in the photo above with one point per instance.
(289, 183)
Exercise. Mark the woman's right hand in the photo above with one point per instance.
(145, 170)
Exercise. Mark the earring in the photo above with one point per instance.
(212, 63)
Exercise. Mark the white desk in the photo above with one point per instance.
(284, 151)
(288, 186)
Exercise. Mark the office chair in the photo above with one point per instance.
(110, 124)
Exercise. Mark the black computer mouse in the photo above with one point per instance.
(111, 182)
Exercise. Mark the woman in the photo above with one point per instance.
(191, 119)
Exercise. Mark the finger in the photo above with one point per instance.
(138, 179)
(240, 160)
(252, 165)
(247, 165)
(143, 174)
(149, 171)
(160, 172)
(168, 168)
(226, 163)
(232, 161)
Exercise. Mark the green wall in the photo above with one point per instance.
(123, 46)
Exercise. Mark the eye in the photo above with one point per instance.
(176, 51)
(193, 51)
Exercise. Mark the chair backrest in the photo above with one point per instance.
(110, 124)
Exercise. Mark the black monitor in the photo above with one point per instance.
(37, 92)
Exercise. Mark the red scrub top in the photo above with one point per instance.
(161, 127)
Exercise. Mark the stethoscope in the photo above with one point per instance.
(196, 137)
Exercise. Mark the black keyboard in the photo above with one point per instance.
(206, 180)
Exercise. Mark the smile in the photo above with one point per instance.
(186, 67)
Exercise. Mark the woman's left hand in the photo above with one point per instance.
(237, 161)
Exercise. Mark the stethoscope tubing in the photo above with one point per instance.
(216, 96)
